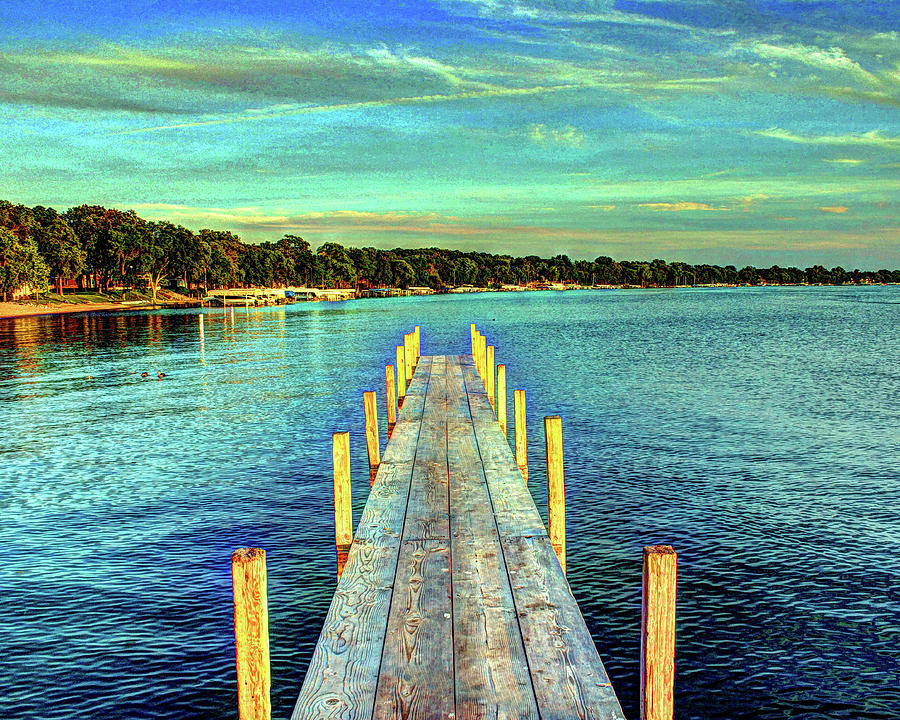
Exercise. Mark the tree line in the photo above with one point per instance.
(104, 248)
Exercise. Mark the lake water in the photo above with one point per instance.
(755, 430)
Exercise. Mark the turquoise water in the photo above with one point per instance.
(753, 429)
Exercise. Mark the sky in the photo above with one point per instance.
(722, 131)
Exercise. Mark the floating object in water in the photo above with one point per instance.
(144, 374)
(160, 375)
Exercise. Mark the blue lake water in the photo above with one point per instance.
(755, 430)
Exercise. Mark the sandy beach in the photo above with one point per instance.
(13, 310)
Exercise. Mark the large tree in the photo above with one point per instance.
(21, 265)
(58, 245)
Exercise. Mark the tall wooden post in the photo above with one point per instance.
(251, 633)
(658, 633)
(472, 337)
(501, 397)
(418, 343)
(490, 377)
(343, 508)
(201, 325)
(371, 412)
(556, 487)
(401, 376)
(521, 433)
(391, 399)
(482, 356)
(407, 358)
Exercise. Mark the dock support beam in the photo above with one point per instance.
(408, 358)
(401, 376)
(251, 633)
(343, 508)
(391, 399)
(658, 633)
(556, 487)
(521, 433)
(501, 397)
(418, 335)
(371, 411)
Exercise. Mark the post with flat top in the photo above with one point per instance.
(521, 440)
(482, 357)
(251, 633)
(391, 399)
(201, 326)
(418, 344)
(556, 487)
(658, 633)
(489, 386)
(472, 337)
(371, 412)
(343, 508)
(501, 397)
(401, 376)
(407, 358)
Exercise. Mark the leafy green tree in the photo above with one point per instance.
(21, 265)
(58, 245)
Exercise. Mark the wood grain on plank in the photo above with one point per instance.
(416, 679)
(492, 679)
(343, 673)
(568, 677)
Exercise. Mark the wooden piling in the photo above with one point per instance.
(201, 325)
(501, 397)
(472, 337)
(521, 433)
(407, 357)
(491, 373)
(482, 356)
(418, 343)
(391, 399)
(343, 508)
(401, 376)
(371, 412)
(251, 633)
(556, 487)
(232, 315)
(658, 633)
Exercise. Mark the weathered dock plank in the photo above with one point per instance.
(453, 604)
(492, 679)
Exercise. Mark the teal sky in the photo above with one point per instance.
(724, 131)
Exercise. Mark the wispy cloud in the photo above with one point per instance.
(873, 137)
(566, 135)
(682, 206)
(833, 58)
(287, 111)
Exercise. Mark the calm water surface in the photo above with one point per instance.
(756, 430)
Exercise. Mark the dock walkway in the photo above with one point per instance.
(452, 603)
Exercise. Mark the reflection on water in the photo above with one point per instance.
(755, 430)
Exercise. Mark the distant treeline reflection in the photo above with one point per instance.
(105, 247)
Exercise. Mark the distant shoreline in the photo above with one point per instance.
(12, 310)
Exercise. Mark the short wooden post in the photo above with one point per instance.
(343, 508)
(251, 633)
(371, 411)
(658, 633)
(391, 399)
(501, 397)
(556, 487)
(521, 433)
(401, 376)
(490, 377)
(201, 326)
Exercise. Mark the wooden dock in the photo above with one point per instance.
(452, 603)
